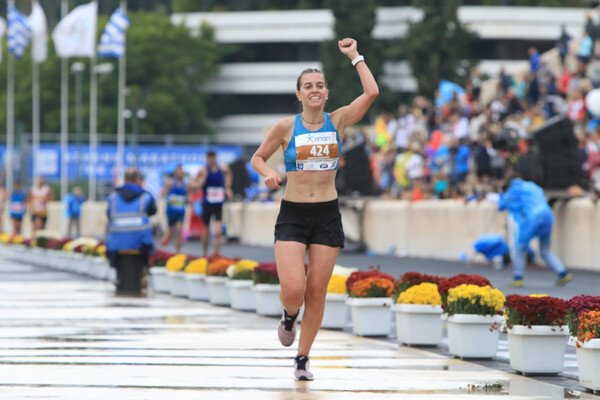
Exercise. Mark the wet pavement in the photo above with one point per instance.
(63, 336)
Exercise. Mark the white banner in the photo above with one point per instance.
(39, 33)
(75, 34)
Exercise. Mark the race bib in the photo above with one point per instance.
(17, 208)
(215, 194)
(318, 151)
(176, 201)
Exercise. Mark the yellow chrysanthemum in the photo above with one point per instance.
(537, 295)
(5, 237)
(85, 241)
(197, 266)
(176, 262)
(337, 284)
(17, 239)
(424, 293)
(246, 264)
(481, 298)
(101, 250)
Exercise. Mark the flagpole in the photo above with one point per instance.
(35, 114)
(10, 118)
(64, 114)
(93, 128)
(120, 112)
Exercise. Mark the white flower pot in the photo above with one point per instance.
(197, 288)
(160, 280)
(241, 294)
(474, 336)
(112, 275)
(588, 363)
(74, 264)
(177, 283)
(101, 268)
(537, 349)
(218, 292)
(335, 313)
(371, 316)
(267, 299)
(419, 324)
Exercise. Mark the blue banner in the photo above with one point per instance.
(150, 158)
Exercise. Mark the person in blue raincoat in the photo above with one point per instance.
(533, 218)
(129, 233)
(73, 202)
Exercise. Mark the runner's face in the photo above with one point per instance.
(313, 89)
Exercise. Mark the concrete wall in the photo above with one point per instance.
(429, 229)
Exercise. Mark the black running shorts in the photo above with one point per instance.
(318, 223)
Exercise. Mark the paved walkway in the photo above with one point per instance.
(67, 337)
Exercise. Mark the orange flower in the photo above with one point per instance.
(372, 287)
(589, 326)
(219, 266)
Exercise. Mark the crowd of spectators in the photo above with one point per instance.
(457, 146)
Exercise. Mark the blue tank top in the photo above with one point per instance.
(313, 150)
(176, 199)
(17, 204)
(214, 187)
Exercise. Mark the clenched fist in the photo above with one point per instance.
(348, 47)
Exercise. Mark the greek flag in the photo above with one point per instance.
(19, 32)
(112, 41)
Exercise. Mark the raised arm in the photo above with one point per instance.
(274, 140)
(352, 113)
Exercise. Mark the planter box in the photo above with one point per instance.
(371, 316)
(537, 349)
(472, 336)
(267, 299)
(101, 268)
(218, 292)
(197, 288)
(588, 363)
(336, 312)
(419, 324)
(241, 295)
(160, 280)
(177, 283)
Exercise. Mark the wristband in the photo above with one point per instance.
(357, 60)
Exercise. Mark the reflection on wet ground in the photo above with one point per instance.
(63, 337)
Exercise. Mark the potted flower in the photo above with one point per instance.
(158, 273)
(370, 301)
(578, 305)
(334, 314)
(410, 279)
(218, 292)
(266, 289)
(583, 316)
(588, 349)
(175, 266)
(195, 277)
(240, 285)
(446, 284)
(474, 317)
(418, 312)
(537, 334)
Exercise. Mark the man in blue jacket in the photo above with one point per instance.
(533, 218)
(129, 234)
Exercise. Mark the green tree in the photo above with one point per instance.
(355, 19)
(166, 69)
(438, 46)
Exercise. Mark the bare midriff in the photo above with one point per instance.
(310, 186)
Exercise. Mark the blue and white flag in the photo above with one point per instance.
(19, 32)
(112, 41)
